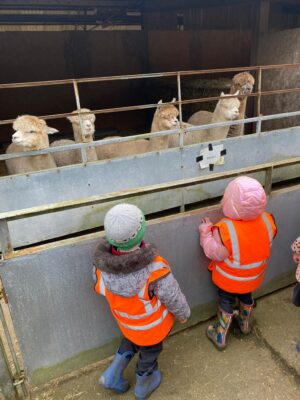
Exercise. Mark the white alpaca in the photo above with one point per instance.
(227, 109)
(123, 149)
(86, 136)
(31, 134)
(165, 118)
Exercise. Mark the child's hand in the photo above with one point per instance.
(296, 258)
(183, 321)
(206, 221)
(205, 226)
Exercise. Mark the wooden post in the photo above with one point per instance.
(260, 18)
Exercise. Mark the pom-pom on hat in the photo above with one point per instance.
(124, 226)
(244, 199)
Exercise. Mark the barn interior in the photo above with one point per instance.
(51, 219)
(61, 39)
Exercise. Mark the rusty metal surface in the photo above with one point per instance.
(142, 76)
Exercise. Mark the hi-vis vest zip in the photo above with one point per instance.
(143, 320)
(249, 244)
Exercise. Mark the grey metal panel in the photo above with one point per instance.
(103, 177)
(57, 315)
(6, 386)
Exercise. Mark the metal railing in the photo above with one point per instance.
(5, 238)
(181, 130)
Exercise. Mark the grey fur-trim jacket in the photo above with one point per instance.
(125, 275)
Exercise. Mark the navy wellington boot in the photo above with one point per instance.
(146, 384)
(112, 377)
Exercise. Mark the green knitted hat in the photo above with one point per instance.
(125, 226)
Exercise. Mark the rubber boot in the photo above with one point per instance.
(244, 317)
(112, 377)
(218, 333)
(146, 384)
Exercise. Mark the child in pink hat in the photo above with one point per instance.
(239, 247)
(296, 294)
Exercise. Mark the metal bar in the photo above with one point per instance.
(181, 136)
(100, 142)
(258, 103)
(142, 76)
(258, 126)
(244, 121)
(268, 180)
(147, 106)
(70, 204)
(82, 149)
(103, 142)
(5, 239)
(11, 348)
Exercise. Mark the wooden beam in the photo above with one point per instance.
(264, 12)
(260, 18)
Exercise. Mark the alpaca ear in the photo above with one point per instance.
(173, 100)
(50, 131)
(237, 93)
(72, 118)
(159, 103)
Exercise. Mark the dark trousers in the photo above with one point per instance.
(148, 355)
(296, 295)
(227, 300)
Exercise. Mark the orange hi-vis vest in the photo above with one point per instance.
(249, 244)
(144, 320)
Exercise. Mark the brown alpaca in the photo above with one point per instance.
(244, 83)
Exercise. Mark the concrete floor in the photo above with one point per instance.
(262, 366)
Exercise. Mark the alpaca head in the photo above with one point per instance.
(229, 107)
(243, 82)
(88, 124)
(31, 132)
(167, 115)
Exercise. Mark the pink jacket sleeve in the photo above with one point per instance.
(211, 242)
(298, 273)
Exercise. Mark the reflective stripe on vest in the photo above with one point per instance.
(149, 310)
(148, 326)
(236, 252)
(269, 228)
(237, 278)
(146, 312)
(100, 285)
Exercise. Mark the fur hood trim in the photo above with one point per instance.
(123, 264)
